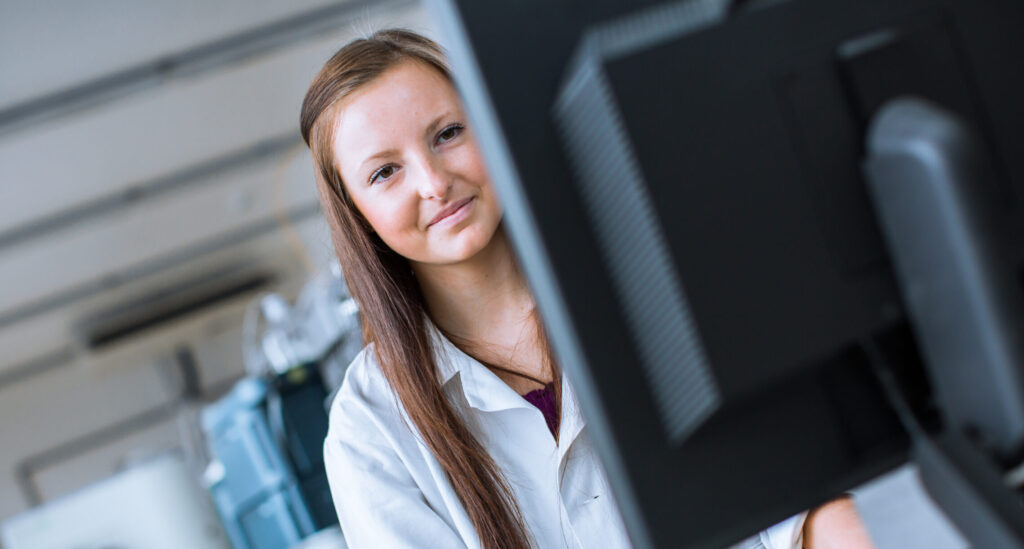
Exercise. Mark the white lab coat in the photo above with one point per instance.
(390, 491)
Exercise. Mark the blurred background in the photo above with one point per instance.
(169, 300)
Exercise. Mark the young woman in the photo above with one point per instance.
(454, 427)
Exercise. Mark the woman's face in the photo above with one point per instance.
(412, 168)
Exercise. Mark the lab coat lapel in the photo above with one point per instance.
(572, 421)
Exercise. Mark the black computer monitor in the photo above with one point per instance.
(724, 283)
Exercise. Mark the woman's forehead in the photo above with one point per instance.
(396, 94)
(393, 107)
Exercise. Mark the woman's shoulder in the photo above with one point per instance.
(365, 398)
(364, 374)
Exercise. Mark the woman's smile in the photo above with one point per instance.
(454, 213)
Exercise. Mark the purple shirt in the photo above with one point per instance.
(544, 400)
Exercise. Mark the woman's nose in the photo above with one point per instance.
(435, 181)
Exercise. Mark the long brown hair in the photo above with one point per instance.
(382, 283)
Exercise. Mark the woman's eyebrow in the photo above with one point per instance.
(375, 156)
(432, 127)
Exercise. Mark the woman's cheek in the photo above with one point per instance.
(401, 224)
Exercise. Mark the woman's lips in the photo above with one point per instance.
(451, 211)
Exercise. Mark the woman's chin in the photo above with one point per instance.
(466, 246)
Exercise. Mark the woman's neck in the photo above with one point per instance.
(486, 290)
(485, 303)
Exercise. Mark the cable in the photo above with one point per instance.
(891, 387)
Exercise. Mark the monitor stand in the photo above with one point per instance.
(927, 173)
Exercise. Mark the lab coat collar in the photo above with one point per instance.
(487, 392)
(483, 390)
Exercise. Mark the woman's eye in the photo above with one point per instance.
(382, 174)
(449, 133)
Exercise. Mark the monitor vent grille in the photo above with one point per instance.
(626, 226)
